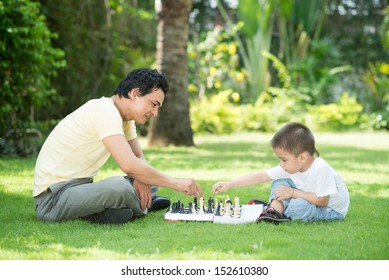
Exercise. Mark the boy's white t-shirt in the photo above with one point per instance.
(320, 179)
(74, 149)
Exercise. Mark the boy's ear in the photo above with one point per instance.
(304, 156)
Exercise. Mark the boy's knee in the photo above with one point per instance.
(300, 209)
(284, 182)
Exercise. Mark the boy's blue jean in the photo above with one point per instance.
(300, 209)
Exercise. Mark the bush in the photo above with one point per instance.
(345, 114)
(215, 114)
(27, 62)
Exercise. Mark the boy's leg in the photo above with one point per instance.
(300, 209)
(278, 204)
(71, 200)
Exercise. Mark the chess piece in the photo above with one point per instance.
(193, 208)
(221, 208)
(210, 206)
(201, 210)
(218, 210)
(236, 207)
(190, 208)
(175, 207)
(228, 209)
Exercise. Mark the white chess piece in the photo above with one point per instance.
(201, 210)
(193, 208)
(236, 207)
(228, 210)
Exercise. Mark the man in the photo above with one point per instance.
(82, 142)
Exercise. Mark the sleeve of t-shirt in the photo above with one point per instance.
(325, 183)
(129, 129)
(277, 172)
(107, 120)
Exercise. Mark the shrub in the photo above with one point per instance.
(215, 114)
(345, 114)
(27, 62)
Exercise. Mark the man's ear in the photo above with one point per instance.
(133, 93)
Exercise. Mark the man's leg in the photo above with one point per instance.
(71, 200)
(157, 202)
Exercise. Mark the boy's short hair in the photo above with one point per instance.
(145, 79)
(295, 138)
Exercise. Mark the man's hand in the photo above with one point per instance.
(189, 187)
(144, 193)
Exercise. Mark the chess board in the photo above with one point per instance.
(245, 214)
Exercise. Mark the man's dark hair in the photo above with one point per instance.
(295, 138)
(145, 79)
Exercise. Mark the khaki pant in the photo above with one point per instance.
(82, 197)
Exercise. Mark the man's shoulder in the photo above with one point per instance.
(99, 105)
(103, 101)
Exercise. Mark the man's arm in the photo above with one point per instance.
(136, 148)
(140, 170)
(143, 190)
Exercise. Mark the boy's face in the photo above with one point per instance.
(291, 163)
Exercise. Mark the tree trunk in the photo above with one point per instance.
(172, 126)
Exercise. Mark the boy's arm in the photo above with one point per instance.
(312, 198)
(245, 180)
(285, 192)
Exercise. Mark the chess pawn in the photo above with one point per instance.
(201, 210)
(236, 207)
(193, 208)
(228, 209)
(221, 208)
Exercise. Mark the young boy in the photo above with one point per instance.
(304, 187)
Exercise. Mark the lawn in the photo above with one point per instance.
(361, 158)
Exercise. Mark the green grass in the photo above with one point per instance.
(361, 158)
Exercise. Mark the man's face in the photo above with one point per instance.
(141, 108)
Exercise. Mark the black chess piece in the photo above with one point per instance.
(218, 210)
(175, 207)
(190, 208)
(210, 206)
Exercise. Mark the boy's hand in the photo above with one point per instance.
(283, 192)
(220, 187)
